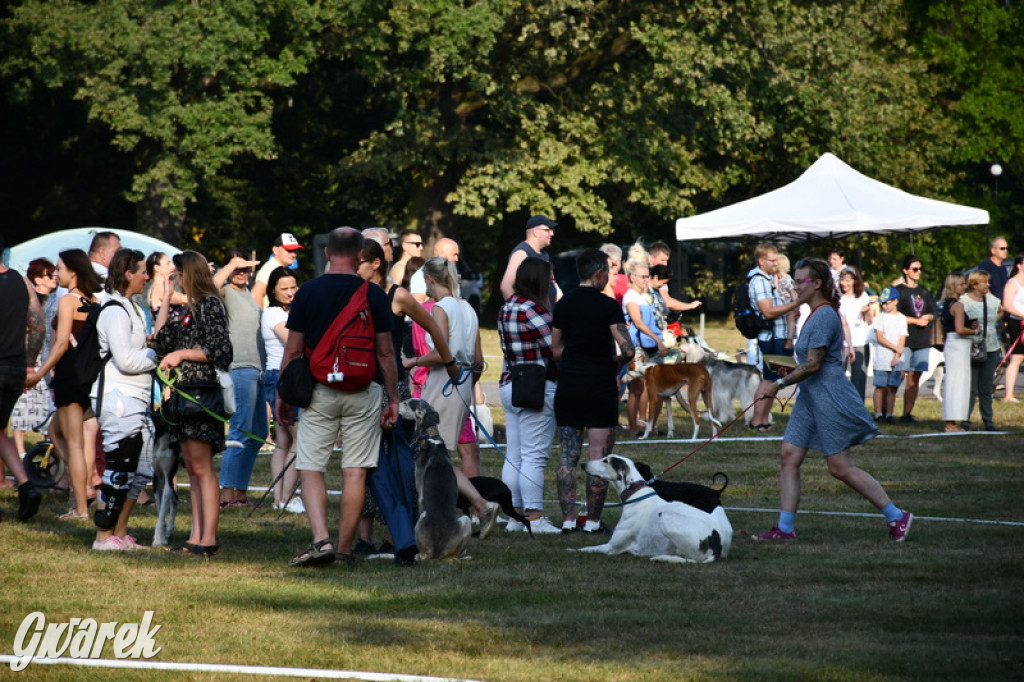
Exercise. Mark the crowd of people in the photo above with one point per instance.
(566, 371)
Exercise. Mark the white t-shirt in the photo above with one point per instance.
(849, 308)
(273, 316)
(892, 326)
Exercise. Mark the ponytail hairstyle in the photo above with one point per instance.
(372, 250)
(821, 271)
(1018, 264)
(444, 273)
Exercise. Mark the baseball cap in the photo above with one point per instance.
(540, 221)
(888, 294)
(288, 241)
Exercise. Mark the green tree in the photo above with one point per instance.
(186, 89)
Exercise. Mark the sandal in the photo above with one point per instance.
(761, 428)
(72, 516)
(315, 555)
(192, 549)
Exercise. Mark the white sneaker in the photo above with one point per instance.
(111, 544)
(542, 525)
(296, 506)
(515, 526)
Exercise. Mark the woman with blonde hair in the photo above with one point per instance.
(979, 304)
(457, 325)
(645, 335)
(196, 345)
(956, 350)
(74, 273)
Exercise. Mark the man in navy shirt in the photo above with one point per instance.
(358, 414)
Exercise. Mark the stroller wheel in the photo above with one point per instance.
(44, 465)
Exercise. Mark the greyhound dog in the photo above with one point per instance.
(165, 465)
(440, 532)
(650, 526)
(693, 494)
(494, 490)
(731, 381)
(666, 381)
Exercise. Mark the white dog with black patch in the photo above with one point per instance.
(650, 526)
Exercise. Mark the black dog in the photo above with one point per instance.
(693, 494)
(494, 490)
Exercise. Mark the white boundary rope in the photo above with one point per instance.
(7, 659)
(876, 515)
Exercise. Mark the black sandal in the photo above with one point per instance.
(315, 555)
(762, 428)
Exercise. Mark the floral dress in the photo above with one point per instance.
(204, 327)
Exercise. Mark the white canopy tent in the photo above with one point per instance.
(50, 245)
(830, 199)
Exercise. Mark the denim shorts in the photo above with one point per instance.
(884, 379)
(917, 360)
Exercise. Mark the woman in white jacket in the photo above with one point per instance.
(121, 398)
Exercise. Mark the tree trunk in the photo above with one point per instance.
(155, 220)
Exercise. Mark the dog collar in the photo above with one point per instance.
(632, 490)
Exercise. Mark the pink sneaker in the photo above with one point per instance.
(111, 544)
(775, 534)
(130, 542)
(898, 529)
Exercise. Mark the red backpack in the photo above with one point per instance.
(346, 357)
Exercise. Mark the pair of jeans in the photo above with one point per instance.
(529, 434)
(250, 416)
(982, 381)
(773, 346)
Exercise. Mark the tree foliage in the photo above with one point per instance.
(185, 88)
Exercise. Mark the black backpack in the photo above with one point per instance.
(88, 361)
(748, 318)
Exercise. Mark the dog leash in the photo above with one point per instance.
(720, 432)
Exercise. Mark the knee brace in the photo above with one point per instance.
(117, 480)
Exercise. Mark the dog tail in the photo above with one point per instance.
(513, 514)
(714, 479)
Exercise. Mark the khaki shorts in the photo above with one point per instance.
(356, 414)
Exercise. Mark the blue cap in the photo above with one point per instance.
(888, 294)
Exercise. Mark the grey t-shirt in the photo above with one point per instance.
(244, 328)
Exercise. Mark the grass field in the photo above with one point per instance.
(840, 603)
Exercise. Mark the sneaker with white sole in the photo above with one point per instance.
(775, 534)
(898, 530)
(130, 543)
(111, 544)
(488, 520)
(542, 525)
(514, 526)
(295, 506)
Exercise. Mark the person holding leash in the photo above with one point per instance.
(828, 415)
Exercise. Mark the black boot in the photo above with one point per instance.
(28, 501)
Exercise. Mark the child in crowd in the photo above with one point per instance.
(890, 337)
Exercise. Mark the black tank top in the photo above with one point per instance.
(13, 313)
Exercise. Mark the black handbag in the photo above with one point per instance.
(295, 383)
(528, 385)
(209, 396)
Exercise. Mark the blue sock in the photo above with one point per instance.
(891, 512)
(787, 521)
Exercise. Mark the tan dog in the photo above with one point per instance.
(666, 381)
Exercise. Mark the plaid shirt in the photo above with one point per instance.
(762, 287)
(525, 332)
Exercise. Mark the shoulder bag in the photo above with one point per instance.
(978, 353)
(528, 385)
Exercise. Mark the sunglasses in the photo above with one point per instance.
(414, 243)
(914, 269)
(805, 280)
(1002, 248)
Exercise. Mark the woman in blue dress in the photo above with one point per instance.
(828, 415)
